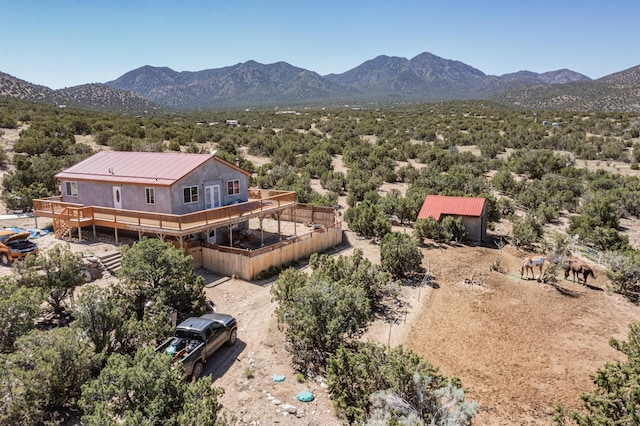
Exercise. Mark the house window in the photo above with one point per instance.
(150, 194)
(72, 189)
(190, 194)
(233, 187)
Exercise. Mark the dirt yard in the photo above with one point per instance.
(519, 346)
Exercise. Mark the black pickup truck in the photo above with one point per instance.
(197, 338)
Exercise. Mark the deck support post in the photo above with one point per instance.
(230, 227)
(279, 234)
(295, 224)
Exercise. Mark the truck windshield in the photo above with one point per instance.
(185, 334)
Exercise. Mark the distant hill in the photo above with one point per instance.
(248, 83)
(94, 96)
(615, 92)
(16, 88)
(424, 78)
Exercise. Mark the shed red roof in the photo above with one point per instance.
(437, 205)
(146, 168)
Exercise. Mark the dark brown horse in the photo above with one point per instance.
(578, 269)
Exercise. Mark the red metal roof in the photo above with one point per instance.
(437, 205)
(146, 168)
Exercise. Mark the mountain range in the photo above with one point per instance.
(424, 78)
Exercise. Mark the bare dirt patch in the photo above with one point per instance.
(519, 346)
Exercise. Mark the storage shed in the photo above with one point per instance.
(473, 212)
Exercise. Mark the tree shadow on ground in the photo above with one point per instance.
(565, 291)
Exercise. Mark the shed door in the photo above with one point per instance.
(212, 196)
(117, 197)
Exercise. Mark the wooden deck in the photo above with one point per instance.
(68, 216)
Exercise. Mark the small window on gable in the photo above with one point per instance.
(72, 189)
(233, 187)
(150, 195)
(190, 194)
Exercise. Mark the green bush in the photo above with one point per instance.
(367, 382)
(400, 254)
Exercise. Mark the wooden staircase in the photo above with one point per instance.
(61, 229)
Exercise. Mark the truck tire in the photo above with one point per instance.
(233, 337)
(198, 368)
(5, 259)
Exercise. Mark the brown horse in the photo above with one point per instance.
(528, 263)
(577, 269)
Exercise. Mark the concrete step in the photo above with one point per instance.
(112, 261)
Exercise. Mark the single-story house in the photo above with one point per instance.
(473, 212)
(156, 182)
(199, 202)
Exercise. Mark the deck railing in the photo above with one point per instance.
(71, 214)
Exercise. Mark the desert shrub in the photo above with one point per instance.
(149, 389)
(158, 271)
(400, 254)
(425, 228)
(527, 232)
(368, 219)
(623, 269)
(19, 306)
(336, 302)
(318, 314)
(452, 228)
(504, 181)
(372, 383)
(449, 228)
(616, 399)
(43, 377)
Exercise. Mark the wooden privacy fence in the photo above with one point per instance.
(307, 213)
(247, 264)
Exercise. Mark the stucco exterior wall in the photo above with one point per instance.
(167, 199)
(133, 197)
(211, 173)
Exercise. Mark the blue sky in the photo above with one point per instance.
(62, 43)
